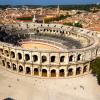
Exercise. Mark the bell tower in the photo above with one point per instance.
(58, 10)
(34, 19)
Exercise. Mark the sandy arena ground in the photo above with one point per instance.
(39, 45)
(29, 88)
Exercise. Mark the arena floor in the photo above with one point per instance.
(29, 88)
(37, 45)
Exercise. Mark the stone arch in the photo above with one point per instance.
(53, 73)
(57, 31)
(8, 65)
(3, 62)
(44, 30)
(70, 72)
(44, 72)
(61, 73)
(44, 59)
(53, 58)
(1, 51)
(28, 70)
(37, 30)
(14, 67)
(85, 69)
(79, 57)
(62, 58)
(20, 68)
(36, 71)
(98, 52)
(53, 30)
(78, 70)
(71, 58)
(6, 53)
(27, 57)
(12, 54)
(35, 58)
(50, 30)
(19, 56)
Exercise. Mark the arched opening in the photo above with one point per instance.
(85, 69)
(44, 59)
(70, 58)
(44, 30)
(61, 73)
(28, 70)
(53, 30)
(14, 67)
(52, 58)
(19, 56)
(36, 71)
(70, 72)
(12, 54)
(27, 57)
(53, 73)
(9, 98)
(6, 53)
(3, 62)
(8, 65)
(35, 58)
(37, 31)
(20, 69)
(78, 71)
(44, 72)
(62, 58)
(79, 57)
(1, 51)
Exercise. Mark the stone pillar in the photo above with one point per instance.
(88, 67)
(17, 68)
(48, 73)
(75, 58)
(57, 72)
(40, 71)
(81, 69)
(24, 70)
(66, 72)
(74, 71)
(31, 71)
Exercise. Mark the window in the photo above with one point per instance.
(44, 59)
(12, 54)
(62, 58)
(79, 57)
(52, 58)
(28, 71)
(20, 68)
(36, 71)
(70, 72)
(6, 53)
(44, 72)
(27, 57)
(71, 58)
(35, 58)
(19, 56)
(61, 72)
(53, 73)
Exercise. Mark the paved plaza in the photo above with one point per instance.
(29, 88)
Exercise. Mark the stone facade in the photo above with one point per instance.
(41, 63)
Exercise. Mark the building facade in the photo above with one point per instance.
(69, 62)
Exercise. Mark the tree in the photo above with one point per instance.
(74, 24)
(95, 66)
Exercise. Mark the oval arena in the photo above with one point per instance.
(47, 50)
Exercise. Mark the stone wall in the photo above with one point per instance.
(68, 63)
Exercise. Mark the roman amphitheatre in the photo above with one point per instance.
(50, 52)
